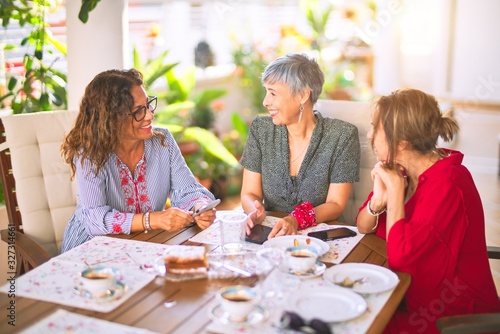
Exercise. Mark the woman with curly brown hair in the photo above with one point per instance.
(125, 168)
(425, 204)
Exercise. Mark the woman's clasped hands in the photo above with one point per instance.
(386, 180)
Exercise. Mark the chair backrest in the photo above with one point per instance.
(45, 195)
(357, 113)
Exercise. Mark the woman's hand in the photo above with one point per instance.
(395, 184)
(387, 181)
(286, 226)
(172, 219)
(379, 199)
(257, 216)
(205, 219)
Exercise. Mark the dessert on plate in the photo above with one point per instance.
(183, 259)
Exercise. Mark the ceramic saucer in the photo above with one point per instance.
(119, 290)
(318, 270)
(219, 315)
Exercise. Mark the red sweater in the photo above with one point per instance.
(441, 243)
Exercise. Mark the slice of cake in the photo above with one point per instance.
(182, 259)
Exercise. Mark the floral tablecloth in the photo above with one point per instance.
(63, 322)
(271, 324)
(338, 249)
(56, 280)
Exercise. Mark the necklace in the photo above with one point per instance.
(298, 156)
(412, 186)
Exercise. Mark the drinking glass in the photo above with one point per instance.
(273, 287)
(232, 231)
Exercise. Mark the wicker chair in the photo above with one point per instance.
(39, 196)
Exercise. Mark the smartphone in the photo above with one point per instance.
(258, 234)
(206, 207)
(333, 233)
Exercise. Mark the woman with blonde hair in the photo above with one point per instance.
(425, 204)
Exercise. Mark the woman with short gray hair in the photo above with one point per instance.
(295, 160)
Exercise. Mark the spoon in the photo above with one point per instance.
(232, 268)
(347, 282)
(140, 265)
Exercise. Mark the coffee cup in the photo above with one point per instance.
(301, 259)
(238, 301)
(98, 282)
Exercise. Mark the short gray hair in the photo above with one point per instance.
(299, 72)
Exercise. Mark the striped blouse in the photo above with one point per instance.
(108, 201)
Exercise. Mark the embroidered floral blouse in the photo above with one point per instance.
(108, 201)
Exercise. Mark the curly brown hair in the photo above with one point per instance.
(104, 109)
(413, 116)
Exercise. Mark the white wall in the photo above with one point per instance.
(411, 45)
(445, 47)
(476, 51)
(98, 45)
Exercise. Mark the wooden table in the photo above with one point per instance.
(145, 308)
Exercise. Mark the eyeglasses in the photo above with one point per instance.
(293, 321)
(140, 112)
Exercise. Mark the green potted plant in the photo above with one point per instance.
(40, 87)
(212, 162)
(189, 116)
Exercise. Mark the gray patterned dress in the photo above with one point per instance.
(332, 157)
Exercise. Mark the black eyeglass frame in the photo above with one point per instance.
(150, 105)
(293, 321)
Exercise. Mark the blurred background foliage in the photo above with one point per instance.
(345, 59)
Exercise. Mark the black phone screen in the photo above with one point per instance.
(258, 234)
(332, 234)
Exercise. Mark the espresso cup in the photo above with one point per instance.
(301, 259)
(238, 301)
(98, 282)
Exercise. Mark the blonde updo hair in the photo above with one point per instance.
(415, 117)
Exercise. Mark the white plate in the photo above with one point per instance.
(378, 278)
(318, 270)
(256, 316)
(286, 241)
(330, 304)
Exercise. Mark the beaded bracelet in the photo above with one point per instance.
(374, 213)
(305, 215)
(148, 226)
